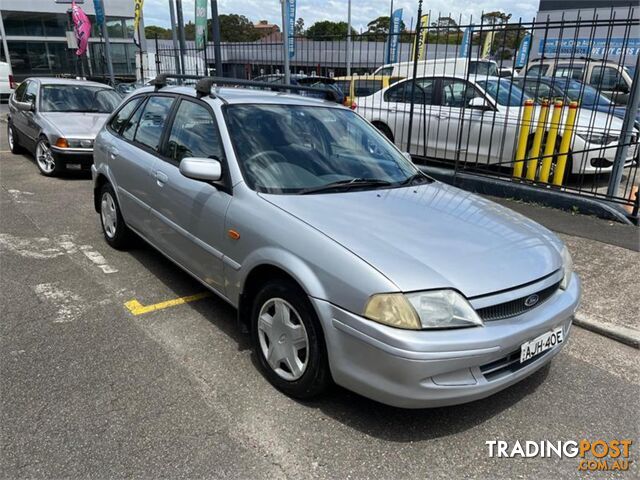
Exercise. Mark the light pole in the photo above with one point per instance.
(183, 42)
(285, 43)
(349, 38)
(174, 37)
(107, 46)
(215, 26)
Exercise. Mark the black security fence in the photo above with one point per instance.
(551, 103)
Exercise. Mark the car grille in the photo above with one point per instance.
(515, 307)
(509, 364)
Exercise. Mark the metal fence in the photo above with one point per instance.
(562, 121)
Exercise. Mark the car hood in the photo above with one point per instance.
(432, 236)
(76, 125)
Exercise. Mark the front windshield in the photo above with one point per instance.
(78, 98)
(290, 149)
(505, 92)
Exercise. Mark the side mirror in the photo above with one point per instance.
(25, 106)
(505, 72)
(622, 87)
(479, 103)
(206, 169)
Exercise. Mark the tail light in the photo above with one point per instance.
(12, 83)
(353, 105)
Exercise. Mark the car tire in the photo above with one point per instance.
(288, 340)
(12, 138)
(115, 231)
(45, 160)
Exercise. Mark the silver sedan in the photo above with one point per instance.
(57, 120)
(344, 261)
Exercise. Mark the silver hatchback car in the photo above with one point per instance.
(344, 261)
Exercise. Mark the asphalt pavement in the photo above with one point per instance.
(90, 390)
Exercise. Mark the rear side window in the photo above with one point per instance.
(385, 71)
(423, 92)
(194, 133)
(364, 88)
(123, 115)
(568, 71)
(537, 90)
(152, 120)
(537, 71)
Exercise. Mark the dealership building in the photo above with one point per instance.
(34, 38)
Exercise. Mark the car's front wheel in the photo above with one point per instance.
(115, 231)
(288, 340)
(45, 160)
(12, 138)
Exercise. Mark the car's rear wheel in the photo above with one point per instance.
(288, 340)
(45, 160)
(115, 231)
(12, 138)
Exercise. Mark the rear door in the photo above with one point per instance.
(133, 156)
(188, 215)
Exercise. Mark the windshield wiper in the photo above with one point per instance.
(346, 184)
(414, 178)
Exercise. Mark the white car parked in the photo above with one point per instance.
(482, 117)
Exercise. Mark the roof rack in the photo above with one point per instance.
(204, 84)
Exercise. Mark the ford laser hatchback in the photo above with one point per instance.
(344, 261)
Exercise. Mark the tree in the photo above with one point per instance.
(324, 29)
(235, 28)
(299, 27)
(151, 31)
(495, 18)
(378, 29)
(446, 25)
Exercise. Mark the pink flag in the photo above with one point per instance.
(82, 28)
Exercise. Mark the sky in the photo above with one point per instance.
(156, 12)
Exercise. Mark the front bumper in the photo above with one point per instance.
(73, 158)
(592, 159)
(417, 369)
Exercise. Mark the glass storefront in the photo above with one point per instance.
(33, 57)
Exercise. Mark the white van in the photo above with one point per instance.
(442, 66)
(6, 81)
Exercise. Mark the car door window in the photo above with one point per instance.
(20, 91)
(457, 93)
(194, 133)
(129, 129)
(152, 120)
(120, 119)
(364, 88)
(401, 93)
(537, 90)
(605, 77)
(30, 93)
(567, 71)
(537, 71)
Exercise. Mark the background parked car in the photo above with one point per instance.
(57, 120)
(486, 113)
(6, 81)
(612, 79)
(356, 87)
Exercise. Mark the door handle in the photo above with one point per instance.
(113, 153)
(443, 116)
(161, 178)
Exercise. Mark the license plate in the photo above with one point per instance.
(74, 166)
(540, 344)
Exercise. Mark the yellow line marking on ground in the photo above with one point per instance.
(136, 308)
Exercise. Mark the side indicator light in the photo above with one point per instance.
(62, 143)
(233, 235)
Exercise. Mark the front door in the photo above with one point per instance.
(188, 215)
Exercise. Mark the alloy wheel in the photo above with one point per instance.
(283, 339)
(10, 137)
(44, 157)
(109, 215)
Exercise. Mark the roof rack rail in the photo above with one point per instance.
(204, 85)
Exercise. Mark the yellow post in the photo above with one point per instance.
(550, 146)
(534, 154)
(565, 143)
(521, 151)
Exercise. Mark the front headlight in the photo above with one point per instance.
(567, 266)
(422, 310)
(597, 138)
(74, 143)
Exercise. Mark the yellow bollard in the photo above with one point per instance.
(534, 153)
(550, 146)
(565, 143)
(521, 151)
